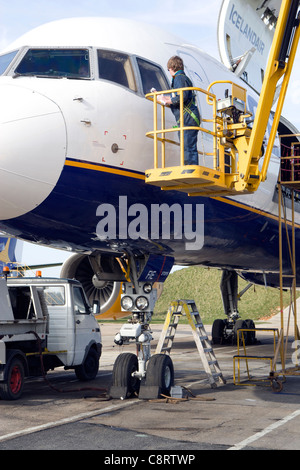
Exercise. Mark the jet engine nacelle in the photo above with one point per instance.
(100, 277)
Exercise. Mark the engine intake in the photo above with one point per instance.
(99, 275)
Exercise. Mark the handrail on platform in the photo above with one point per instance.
(181, 128)
(238, 95)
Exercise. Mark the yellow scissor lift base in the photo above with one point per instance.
(195, 180)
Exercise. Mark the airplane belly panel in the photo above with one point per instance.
(94, 207)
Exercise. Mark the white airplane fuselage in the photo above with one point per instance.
(68, 146)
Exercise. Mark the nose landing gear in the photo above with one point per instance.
(141, 375)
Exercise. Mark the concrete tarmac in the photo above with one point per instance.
(71, 415)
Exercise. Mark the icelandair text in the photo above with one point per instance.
(246, 30)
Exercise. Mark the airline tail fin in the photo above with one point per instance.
(245, 35)
(10, 252)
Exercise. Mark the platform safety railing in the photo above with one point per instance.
(159, 133)
(226, 124)
(290, 165)
(272, 379)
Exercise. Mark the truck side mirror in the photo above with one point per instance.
(96, 307)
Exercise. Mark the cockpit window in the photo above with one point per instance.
(152, 76)
(116, 67)
(55, 63)
(5, 60)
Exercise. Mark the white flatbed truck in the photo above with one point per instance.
(45, 323)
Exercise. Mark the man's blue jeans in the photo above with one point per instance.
(190, 147)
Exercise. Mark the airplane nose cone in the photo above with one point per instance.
(32, 149)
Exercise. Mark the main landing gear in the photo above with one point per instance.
(141, 374)
(227, 330)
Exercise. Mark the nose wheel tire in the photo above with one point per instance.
(160, 373)
(125, 365)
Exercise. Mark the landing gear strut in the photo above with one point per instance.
(227, 330)
(141, 375)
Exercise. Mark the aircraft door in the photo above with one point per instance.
(194, 69)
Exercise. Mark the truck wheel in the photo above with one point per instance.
(12, 388)
(124, 366)
(89, 368)
(160, 373)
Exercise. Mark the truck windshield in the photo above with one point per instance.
(55, 63)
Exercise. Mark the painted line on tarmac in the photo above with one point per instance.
(265, 431)
(63, 421)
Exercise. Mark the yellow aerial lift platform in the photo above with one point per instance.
(237, 147)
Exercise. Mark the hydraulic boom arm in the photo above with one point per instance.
(280, 64)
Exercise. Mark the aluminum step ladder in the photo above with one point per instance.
(188, 308)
